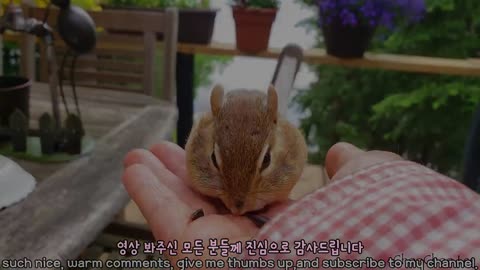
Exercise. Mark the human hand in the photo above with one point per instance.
(156, 181)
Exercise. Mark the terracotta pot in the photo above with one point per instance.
(253, 28)
(347, 41)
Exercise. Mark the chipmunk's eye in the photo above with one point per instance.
(266, 160)
(214, 160)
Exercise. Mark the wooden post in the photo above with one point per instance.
(170, 41)
(1, 55)
(185, 70)
(43, 65)
(27, 59)
(53, 82)
(47, 134)
(73, 133)
(18, 124)
(149, 39)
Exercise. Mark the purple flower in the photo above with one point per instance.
(370, 12)
(414, 9)
(348, 18)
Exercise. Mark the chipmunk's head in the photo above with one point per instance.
(238, 151)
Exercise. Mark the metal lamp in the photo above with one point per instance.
(75, 26)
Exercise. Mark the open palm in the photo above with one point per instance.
(156, 181)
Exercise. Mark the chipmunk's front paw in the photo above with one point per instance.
(197, 214)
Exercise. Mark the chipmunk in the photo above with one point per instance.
(243, 152)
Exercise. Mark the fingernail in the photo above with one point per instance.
(338, 155)
(171, 146)
(348, 148)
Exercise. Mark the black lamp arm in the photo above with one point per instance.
(14, 20)
(74, 25)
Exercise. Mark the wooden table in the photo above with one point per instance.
(405, 63)
(74, 201)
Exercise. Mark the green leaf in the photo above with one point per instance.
(422, 117)
(444, 5)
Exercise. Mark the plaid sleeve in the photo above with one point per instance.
(399, 210)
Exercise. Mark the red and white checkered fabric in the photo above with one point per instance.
(394, 209)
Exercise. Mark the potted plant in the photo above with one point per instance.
(196, 19)
(348, 26)
(253, 23)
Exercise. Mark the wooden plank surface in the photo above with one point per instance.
(70, 207)
(406, 63)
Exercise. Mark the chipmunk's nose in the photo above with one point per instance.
(238, 207)
(239, 204)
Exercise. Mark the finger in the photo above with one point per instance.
(273, 209)
(364, 161)
(165, 213)
(339, 155)
(174, 183)
(215, 226)
(344, 159)
(276, 208)
(172, 156)
(233, 228)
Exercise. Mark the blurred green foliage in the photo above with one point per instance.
(11, 58)
(87, 4)
(425, 118)
(205, 65)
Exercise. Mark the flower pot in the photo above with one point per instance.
(14, 94)
(346, 41)
(194, 25)
(253, 27)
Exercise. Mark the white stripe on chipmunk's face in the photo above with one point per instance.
(264, 159)
(216, 157)
(216, 163)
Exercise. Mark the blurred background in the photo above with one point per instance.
(424, 117)
(413, 89)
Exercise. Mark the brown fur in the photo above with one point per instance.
(243, 121)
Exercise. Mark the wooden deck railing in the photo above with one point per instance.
(185, 69)
(405, 63)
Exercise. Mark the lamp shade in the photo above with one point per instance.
(77, 29)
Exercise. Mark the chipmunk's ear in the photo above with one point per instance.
(216, 99)
(272, 103)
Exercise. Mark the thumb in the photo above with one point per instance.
(344, 159)
(339, 155)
